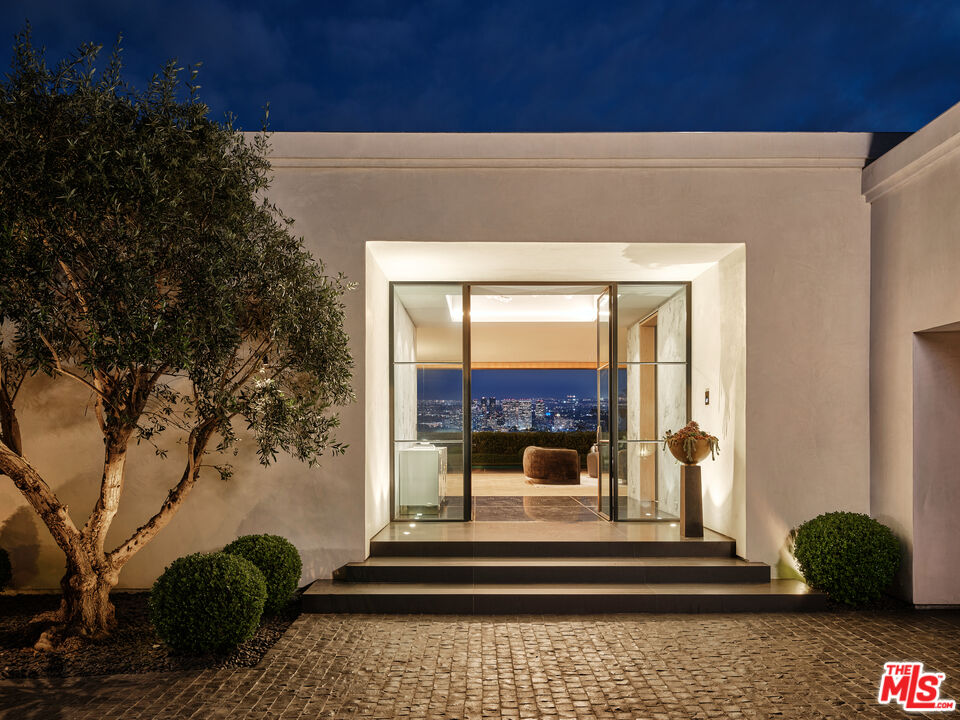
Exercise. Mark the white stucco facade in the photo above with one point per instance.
(915, 229)
(805, 359)
(791, 203)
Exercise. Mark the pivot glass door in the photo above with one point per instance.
(641, 374)
(606, 469)
(430, 425)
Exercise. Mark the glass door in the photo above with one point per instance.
(606, 470)
(430, 428)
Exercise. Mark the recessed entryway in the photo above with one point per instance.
(537, 401)
(936, 492)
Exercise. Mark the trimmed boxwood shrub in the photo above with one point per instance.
(277, 559)
(207, 602)
(6, 572)
(850, 556)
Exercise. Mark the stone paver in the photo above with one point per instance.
(815, 665)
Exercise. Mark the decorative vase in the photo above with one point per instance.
(700, 452)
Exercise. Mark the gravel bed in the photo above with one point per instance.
(132, 648)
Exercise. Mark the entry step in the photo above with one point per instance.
(326, 596)
(554, 548)
(613, 570)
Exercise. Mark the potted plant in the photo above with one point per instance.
(691, 445)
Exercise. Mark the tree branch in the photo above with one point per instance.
(114, 464)
(259, 352)
(196, 447)
(238, 379)
(101, 398)
(111, 487)
(42, 499)
(9, 425)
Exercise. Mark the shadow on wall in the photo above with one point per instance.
(33, 555)
(21, 540)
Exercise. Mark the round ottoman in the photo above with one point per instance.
(551, 466)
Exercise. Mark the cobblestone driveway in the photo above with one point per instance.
(816, 665)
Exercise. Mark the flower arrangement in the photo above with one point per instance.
(689, 442)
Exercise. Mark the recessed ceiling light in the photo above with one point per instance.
(525, 308)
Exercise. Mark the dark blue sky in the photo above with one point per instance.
(446, 384)
(537, 65)
(533, 383)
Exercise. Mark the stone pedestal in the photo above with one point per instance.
(691, 502)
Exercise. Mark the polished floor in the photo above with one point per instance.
(513, 484)
(542, 508)
(512, 531)
(509, 496)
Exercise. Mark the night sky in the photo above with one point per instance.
(530, 65)
(517, 384)
(533, 383)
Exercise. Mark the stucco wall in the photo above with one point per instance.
(793, 200)
(718, 298)
(376, 446)
(915, 219)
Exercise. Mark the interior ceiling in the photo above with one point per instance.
(437, 305)
(573, 262)
(574, 265)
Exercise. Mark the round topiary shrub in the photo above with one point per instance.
(279, 562)
(850, 556)
(6, 572)
(207, 602)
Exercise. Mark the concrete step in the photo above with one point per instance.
(627, 570)
(554, 548)
(326, 596)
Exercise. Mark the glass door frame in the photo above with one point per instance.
(613, 405)
(613, 416)
(466, 434)
(614, 411)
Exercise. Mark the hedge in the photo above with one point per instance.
(505, 449)
(207, 602)
(850, 556)
(277, 559)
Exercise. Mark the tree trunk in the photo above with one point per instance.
(85, 609)
(9, 425)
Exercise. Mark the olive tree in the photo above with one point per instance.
(141, 260)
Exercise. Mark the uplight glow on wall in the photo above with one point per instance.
(525, 308)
